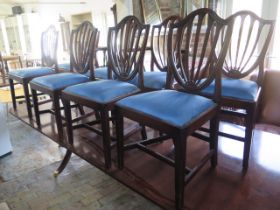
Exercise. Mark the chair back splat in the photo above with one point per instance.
(82, 42)
(192, 46)
(249, 43)
(126, 47)
(49, 39)
(159, 40)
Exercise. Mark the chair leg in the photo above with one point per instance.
(81, 109)
(249, 127)
(13, 94)
(58, 118)
(27, 99)
(36, 107)
(214, 129)
(68, 118)
(106, 138)
(63, 164)
(180, 157)
(119, 131)
(143, 132)
(97, 114)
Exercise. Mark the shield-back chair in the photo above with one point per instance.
(178, 113)
(49, 39)
(126, 47)
(82, 46)
(246, 55)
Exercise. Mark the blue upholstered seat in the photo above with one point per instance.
(154, 80)
(103, 91)
(64, 66)
(236, 88)
(32, 72)
(170, 106)
(100, 73)
(59, 81)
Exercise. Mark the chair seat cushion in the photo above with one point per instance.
(102, 91)
(59, 81)
(100, 73)
(64, 66)
(155, 80)
(236, 88)
(175, 108)
(31, 72)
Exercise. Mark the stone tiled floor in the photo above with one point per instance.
(26, 180)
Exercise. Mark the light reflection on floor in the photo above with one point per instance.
(268, 154)
(229, 146)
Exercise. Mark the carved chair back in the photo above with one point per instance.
(49, 40)
(249, 43)
(159, 36)
(126, 47)
(83, 43)
(192, 50)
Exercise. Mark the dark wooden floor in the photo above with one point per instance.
(226, 187)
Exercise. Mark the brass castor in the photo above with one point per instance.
(55, 173)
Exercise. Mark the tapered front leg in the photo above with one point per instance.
(13, 94)
(106, 137)
(119, 131)
(58, 118)
(68, 119)
(36, 107)
(180, 156)
(27, 99)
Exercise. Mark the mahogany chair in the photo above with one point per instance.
(82, 46)
(246, 55)
(156, 80)
(155, 77)
(49, 41)
(126, 48)
(100, 71)
(178, 113)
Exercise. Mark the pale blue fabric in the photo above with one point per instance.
(236, 88)
(59, 81)
(32, 72)
(64, 66)
(100, 73)
(175, 108)
(102, 91)
(152, 79)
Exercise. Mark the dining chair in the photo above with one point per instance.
(191, 48)
(245, 56)
(126, 47)
(82, 44)
(155, 79)
(49, 39)
(100, 71)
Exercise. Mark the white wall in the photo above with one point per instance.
(102, 16)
